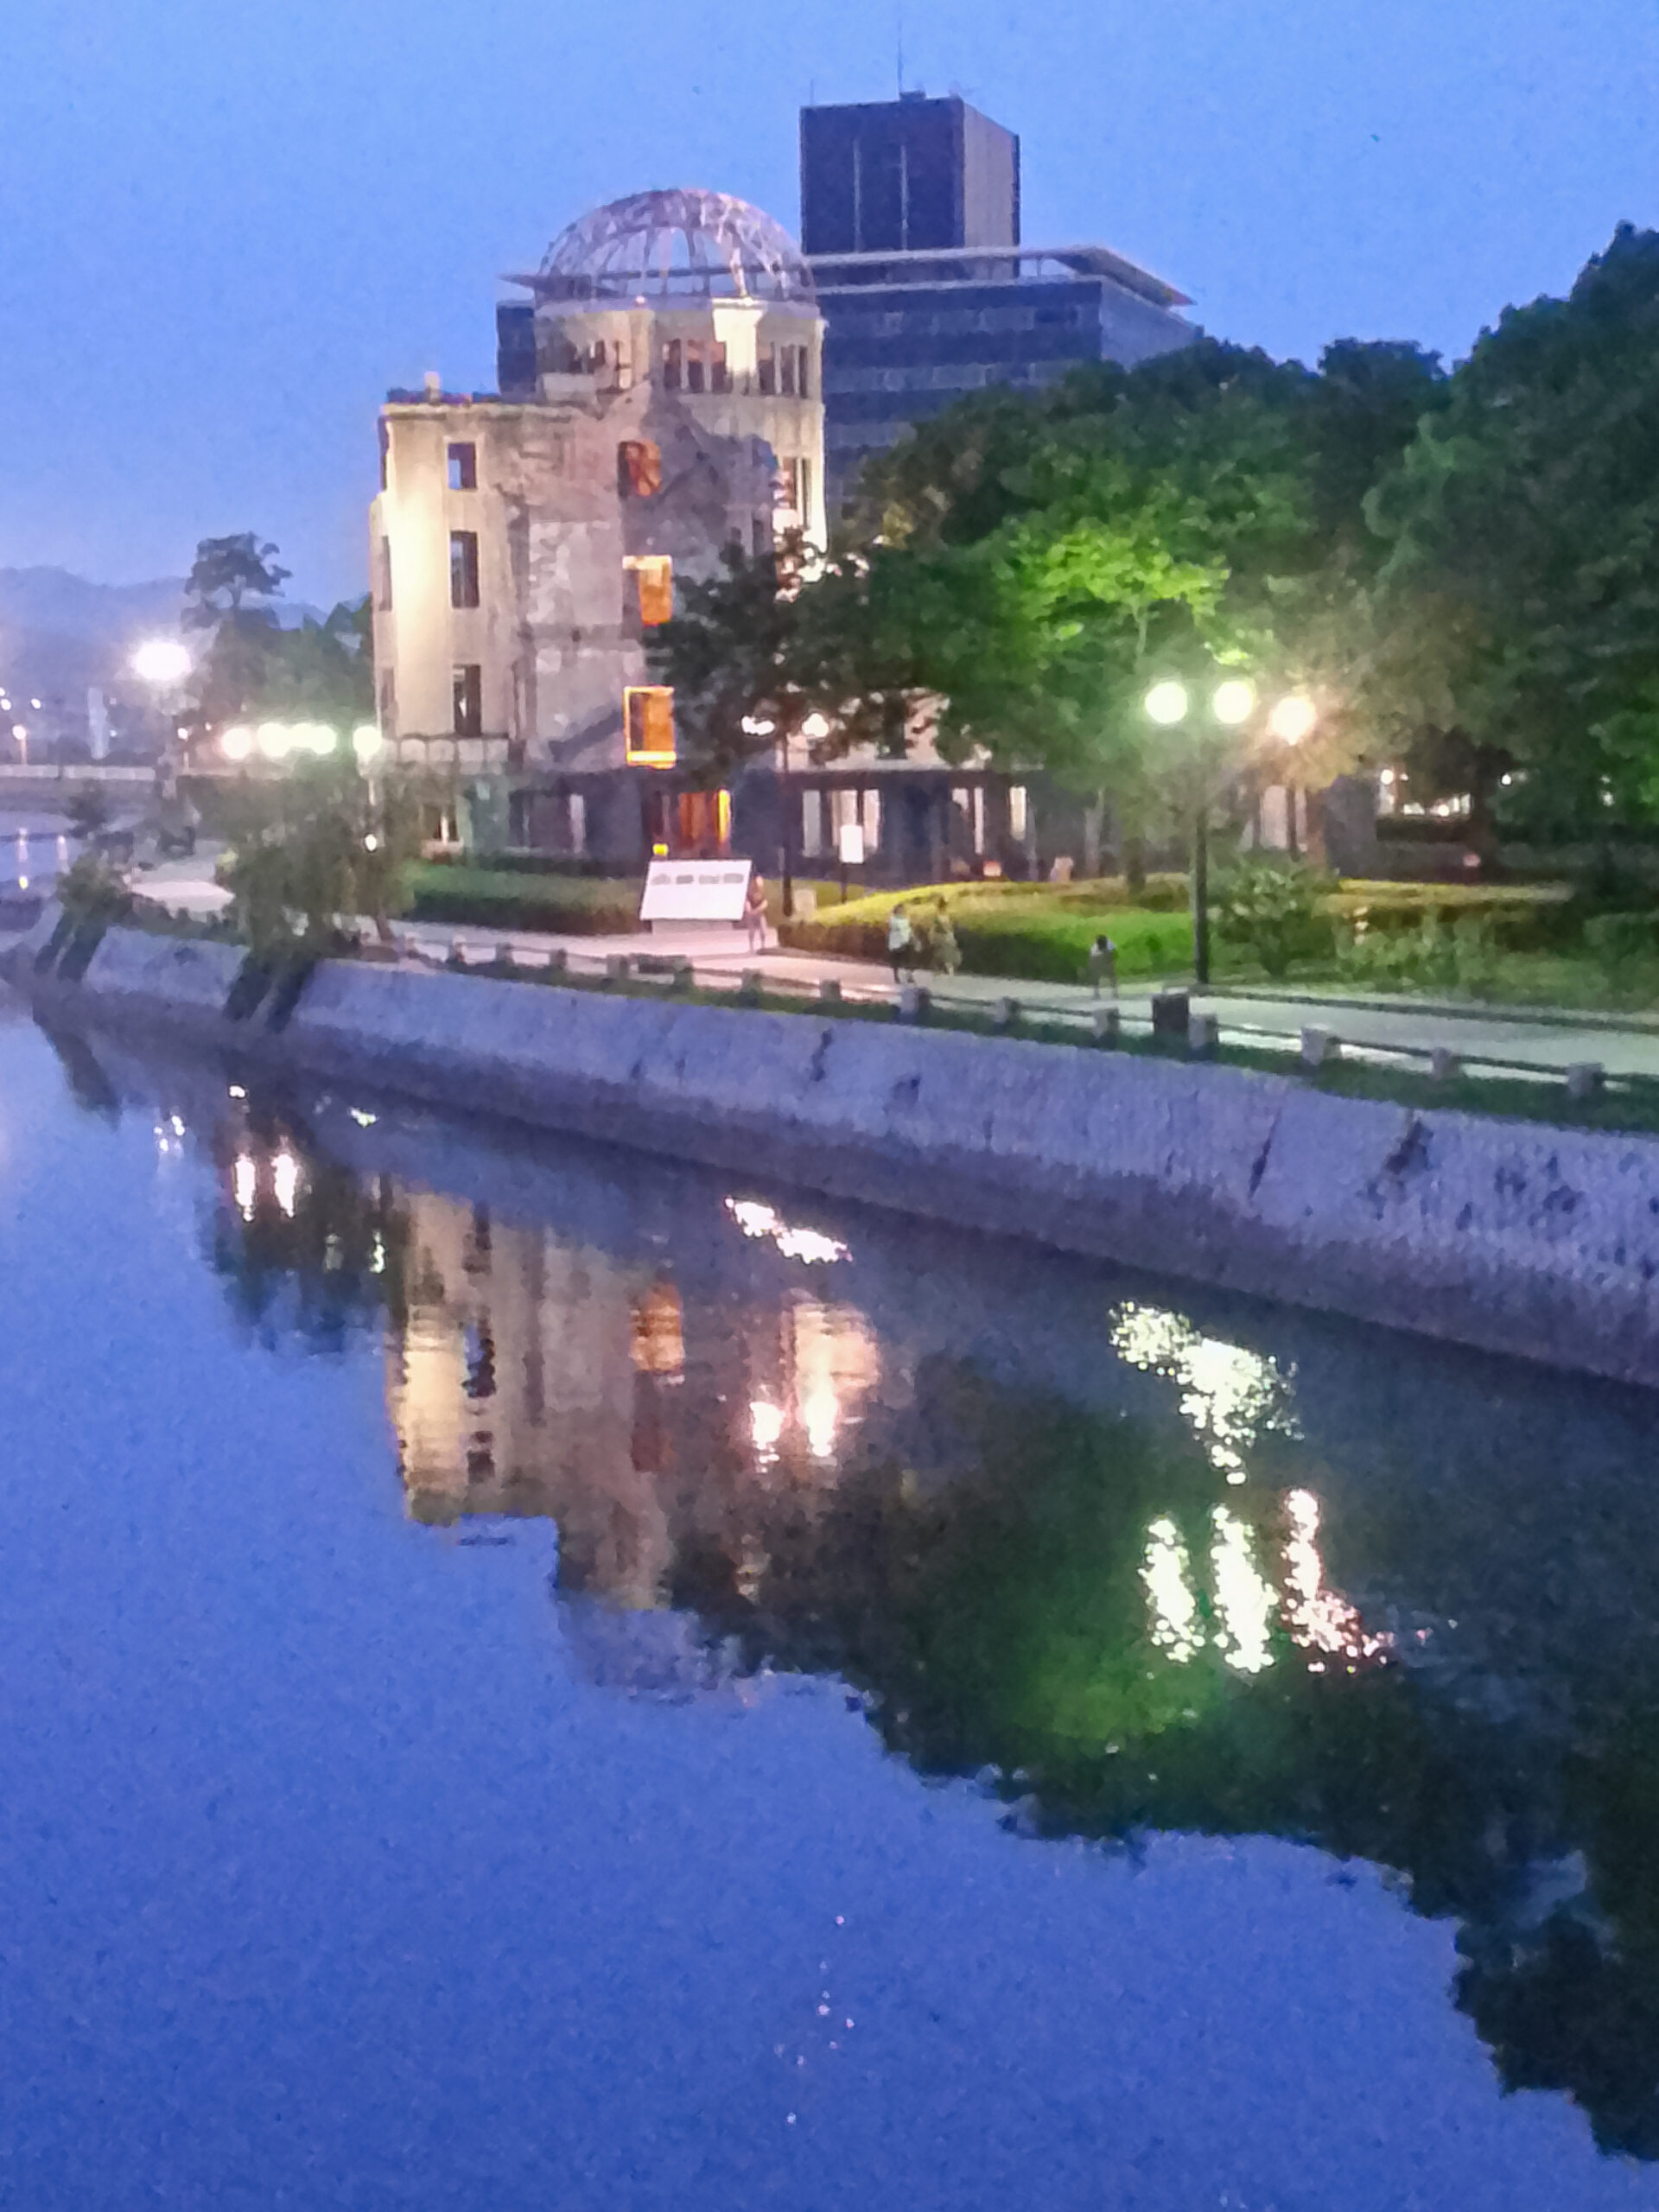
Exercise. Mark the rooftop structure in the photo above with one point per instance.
(672, 246)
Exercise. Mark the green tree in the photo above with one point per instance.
(1522, 581)
(314, 849)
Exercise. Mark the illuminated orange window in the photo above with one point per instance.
(638, 468)
(649, 710)
(653, 577)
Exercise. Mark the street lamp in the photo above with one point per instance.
(1233, 703)
(162, 664)
(162, 661)
(20, 731)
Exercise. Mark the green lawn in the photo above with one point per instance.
(1041, 934)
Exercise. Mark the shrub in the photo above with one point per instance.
(93, 894)
(567, 905)
(1462, 955)
(1269, 906)
(1616, 942)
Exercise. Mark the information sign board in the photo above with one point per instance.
(695, 891)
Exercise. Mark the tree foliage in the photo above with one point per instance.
(313, 849)
(1521, 580)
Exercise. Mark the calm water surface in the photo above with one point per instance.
(533, 1677)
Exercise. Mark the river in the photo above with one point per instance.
(534, 1676)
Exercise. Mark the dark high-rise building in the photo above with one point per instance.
(910, 221)
(902, 175)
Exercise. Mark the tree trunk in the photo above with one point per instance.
(1091, 820)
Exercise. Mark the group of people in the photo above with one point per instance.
(919, 936)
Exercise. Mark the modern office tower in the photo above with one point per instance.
(910, 219)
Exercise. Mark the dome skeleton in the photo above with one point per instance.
(678, 243)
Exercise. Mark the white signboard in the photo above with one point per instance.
(850, 839)
(695, 891)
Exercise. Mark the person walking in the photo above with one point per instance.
(942, 941)
(754, 913)
(902, 943)
(1103, 964)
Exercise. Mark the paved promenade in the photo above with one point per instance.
(1546, 1039)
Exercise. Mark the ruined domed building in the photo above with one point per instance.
(659, 397)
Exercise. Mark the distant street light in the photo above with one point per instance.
(20, 731)
(162, 661)
(1233, 701)
(1293, 719)
(1166, 704)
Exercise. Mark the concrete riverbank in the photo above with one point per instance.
(1508, 1235)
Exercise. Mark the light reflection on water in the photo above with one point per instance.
(1137, 1566)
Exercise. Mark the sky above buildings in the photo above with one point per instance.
(224, 234)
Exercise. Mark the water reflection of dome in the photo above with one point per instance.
(681, 244)
(667, 1657)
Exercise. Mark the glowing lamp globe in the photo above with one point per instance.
(162, 660)
(1233, 701)
(366, 743)
(274, 740)
(236, 744)
(1292, 719)
(1166, 703)
(815, 726)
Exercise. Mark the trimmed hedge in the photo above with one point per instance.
(565, 905)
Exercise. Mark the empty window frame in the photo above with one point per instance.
(870, 802)
(786, 355)
(648, 715)
(1019, 814)
(673, 364)
(652, 578)
(388, 692)
(463, 567)
(386, 455)
(811, 825)
(789, 483)
(463, 465)
(468, 687)
(383, 575)
(694, 365)
(719, 374)
(638, 468)
(765, 369)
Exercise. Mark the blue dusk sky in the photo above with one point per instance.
(225, 231)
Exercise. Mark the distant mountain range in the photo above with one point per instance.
(62, 634)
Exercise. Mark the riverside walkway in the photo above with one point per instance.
(1527, 1040)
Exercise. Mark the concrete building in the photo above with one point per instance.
(910, 221)
(662, 400)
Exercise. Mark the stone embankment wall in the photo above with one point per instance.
(1504, 1234)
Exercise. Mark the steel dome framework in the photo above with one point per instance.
(667, 245)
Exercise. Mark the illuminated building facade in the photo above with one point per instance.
(660, 399)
